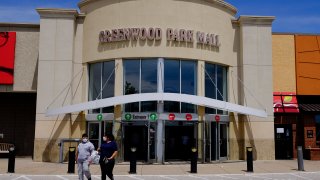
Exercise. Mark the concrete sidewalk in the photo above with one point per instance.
(28, 167)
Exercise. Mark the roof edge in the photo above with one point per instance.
(24, 25)
(222, 3)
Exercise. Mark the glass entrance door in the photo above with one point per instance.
(180, 137)
(140, 135)
(94, 132)
(223, 141)
(216, 147)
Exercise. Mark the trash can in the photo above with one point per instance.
(72, 159)
(249, 159)
(194, 160)
(11, 159)
(133, 160)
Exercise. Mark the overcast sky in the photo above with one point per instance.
(296, 16)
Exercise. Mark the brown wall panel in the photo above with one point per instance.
(306, 43)
(309, 70)
(308, 64)
(309, 57)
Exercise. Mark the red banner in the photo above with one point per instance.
(7, 52)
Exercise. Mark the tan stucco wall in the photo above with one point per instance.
(256, 90)
(283, 63)
(26, 56)
(192, 15)
(61, 81)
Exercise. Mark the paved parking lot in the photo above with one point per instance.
(27, 169)
(251, 176)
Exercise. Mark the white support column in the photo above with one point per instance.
(160, 125)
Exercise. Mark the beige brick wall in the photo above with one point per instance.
(283, 61)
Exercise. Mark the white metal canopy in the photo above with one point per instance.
(197, 100)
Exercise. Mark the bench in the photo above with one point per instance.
(4, 147)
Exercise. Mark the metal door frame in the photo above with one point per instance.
(224, 158)
(195, 133)
(135, 123)
(209, 141)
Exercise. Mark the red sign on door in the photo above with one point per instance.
(188, 117)
(217, 118)
(171, 117)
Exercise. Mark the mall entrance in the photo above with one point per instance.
(180, 137)
(216, 147)
(140, 135)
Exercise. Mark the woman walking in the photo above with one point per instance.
(108, 152)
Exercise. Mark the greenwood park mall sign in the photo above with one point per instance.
(151, 34)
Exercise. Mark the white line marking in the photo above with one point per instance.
(256, 176)
(226, 177)
(17, 178)
(166, 177)
(134, 177)
(61, 177)
(299, 176)
(198, 177)
(25, 177)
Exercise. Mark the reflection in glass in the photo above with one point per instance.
(131, 76)
(188, 84)
(108, 83)
(93, 134)
(215, 85)
(95, 83)
(149, 106)
(180, 77)
(131, 80)
(101, 79)
(149, 75)
(171, 106)
(188, 77)
(172, 76)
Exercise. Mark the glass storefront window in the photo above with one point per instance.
(171, 76)
(180, 77)
(140, 76)
(215, 85)
(101, 83)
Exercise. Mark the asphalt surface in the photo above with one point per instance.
(26, 169)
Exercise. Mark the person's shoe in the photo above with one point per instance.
(89, 178)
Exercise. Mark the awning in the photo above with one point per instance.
(285, 102)
(197, 100)
(310, 107)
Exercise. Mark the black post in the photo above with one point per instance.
(72, 159)
(194, 159)
(11, 159)
(249, 160)
(133, 160)
(300, 159)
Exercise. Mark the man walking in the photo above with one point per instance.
(85, 148)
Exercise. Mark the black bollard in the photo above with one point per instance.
(133, 161)
(194, 159)
(300, 159)
(11, 159)
(249, 160)
(72, 159)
